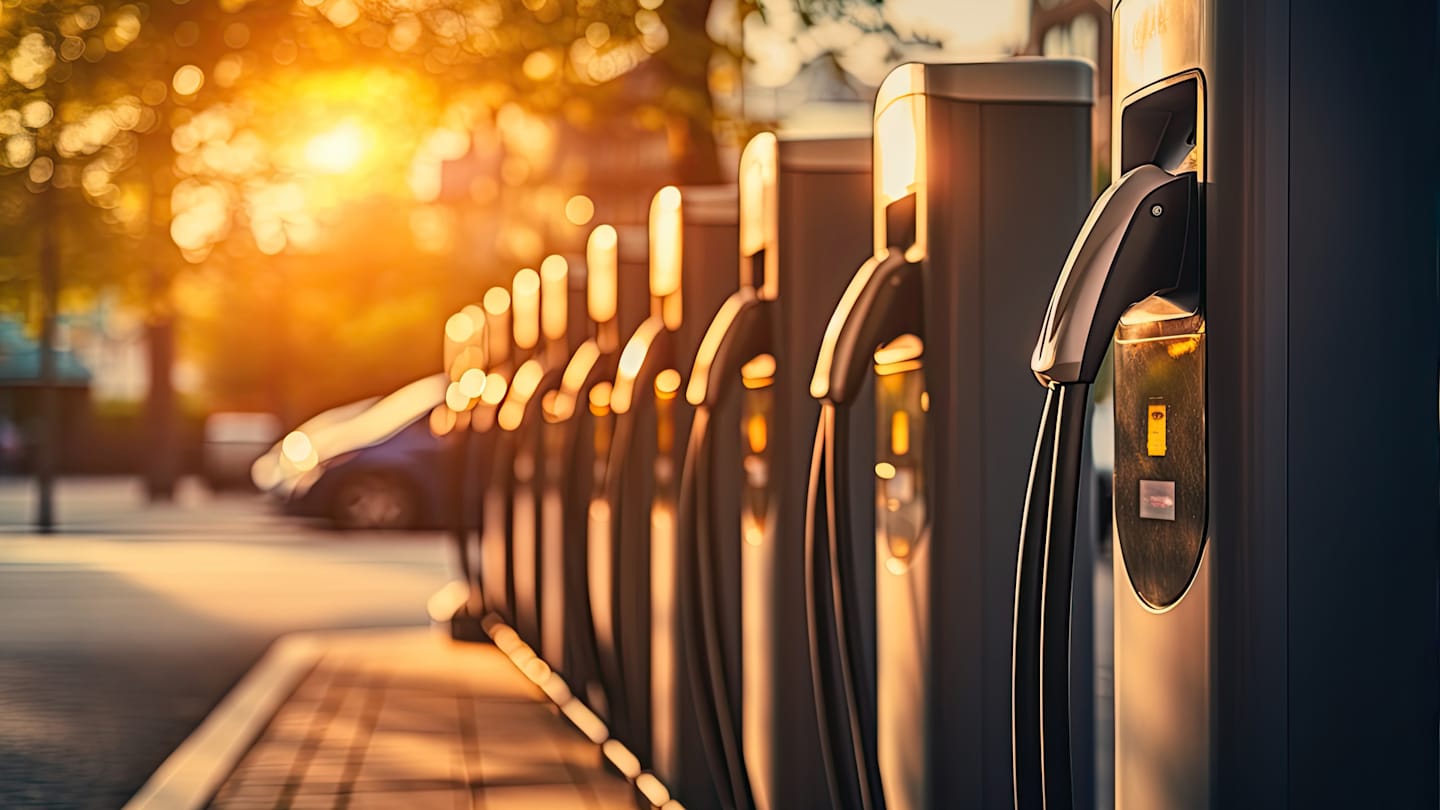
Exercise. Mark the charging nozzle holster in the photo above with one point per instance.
(884, 300)
(1141, 239)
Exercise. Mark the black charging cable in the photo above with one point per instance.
(612, 665)
(834, 623)
(1058, 583)
(1025, 644)
(699, 606)
(820, 632)
(1040, 705)
(859, 690)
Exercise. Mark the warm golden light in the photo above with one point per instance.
(899, 149)
(600, 398)
(652, 788)
(587, 721)
(709, 347)
(884, 470)
(476, 314)
(455, 399)
(444, 603)
(624, 761)
(539, 66)
(632, 359)
(667, 383)
(666, 241)
(601, 268)
(554, 297)
(188, 80)
(759, 372)
(1180, 348)
(759, 224)
(525, 300)
(579, 210)
(494, 389)
(442, 420)
(562, 405)
(472, 383)
(757, 433)
(496, 301)
(522, 387)
(460, 327)
(904, 353)
(900, 433)
(672, 310)
(297, 447)
(338, 150)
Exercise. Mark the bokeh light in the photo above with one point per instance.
(460, 327)
(579, 210)
(188, 80)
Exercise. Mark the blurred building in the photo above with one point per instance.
(1079, 29)
(21, 398)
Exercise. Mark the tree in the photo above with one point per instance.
(183, 128)
(69, 125)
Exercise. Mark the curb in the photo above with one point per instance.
(191, 775)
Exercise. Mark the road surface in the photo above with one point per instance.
(121, 632)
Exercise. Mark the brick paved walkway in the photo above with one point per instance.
(409, 719)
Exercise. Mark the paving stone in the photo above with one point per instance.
(399, 719)
(616, 795)
(531, 797)
(317, 801)
(416, 800)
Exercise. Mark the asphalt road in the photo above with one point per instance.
(121, 632)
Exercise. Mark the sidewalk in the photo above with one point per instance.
(387, 719)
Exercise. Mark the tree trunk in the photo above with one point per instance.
(685, 65)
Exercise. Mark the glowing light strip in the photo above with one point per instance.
(538, 672)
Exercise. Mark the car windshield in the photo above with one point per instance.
(383, 419)
(346, 428)
(340, 413)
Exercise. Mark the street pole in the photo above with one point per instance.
(161, 462)
(48, 418)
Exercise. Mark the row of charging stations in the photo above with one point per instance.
(814, 537)
(722, 531)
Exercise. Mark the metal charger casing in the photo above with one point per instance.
(819, 208)
(1298, 668)
(1163, 644)
(982, 176)
(637, 551)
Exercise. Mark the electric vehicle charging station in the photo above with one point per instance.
(464, 359)
(1275, 619)
(519, 310)
(578, 429)
(804, 213)
(982, 171)
(576, 434)
(632, 549)
(533, 471)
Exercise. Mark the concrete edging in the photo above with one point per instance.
(190, 776)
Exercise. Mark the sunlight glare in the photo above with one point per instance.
(339, 150)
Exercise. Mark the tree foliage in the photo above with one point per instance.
(292, 165)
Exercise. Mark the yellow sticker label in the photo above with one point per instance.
(1155, 430)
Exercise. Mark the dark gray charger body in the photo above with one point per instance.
(1010, 183)
(824, 230)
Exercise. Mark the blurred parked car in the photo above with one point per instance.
(273, 472)
(373, 464)
(231, 443)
